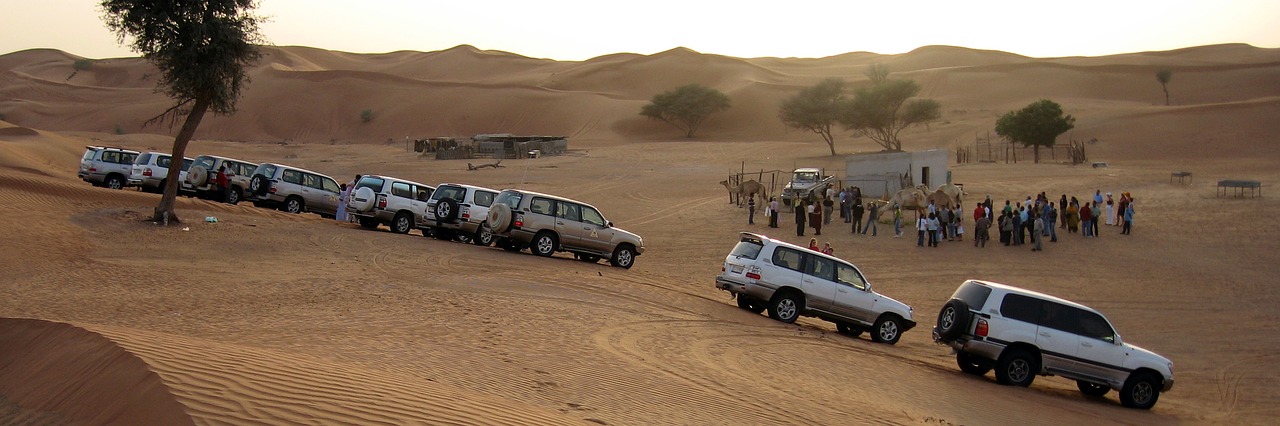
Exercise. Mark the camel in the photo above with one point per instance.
(909, 198)
(953, 191)
(941, 199)
(746, 189)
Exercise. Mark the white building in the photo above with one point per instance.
(885, 172)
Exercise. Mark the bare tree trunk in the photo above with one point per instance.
(164, 212)
(1166, 93)
(1037, 150)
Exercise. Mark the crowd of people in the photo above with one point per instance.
(1027, 222)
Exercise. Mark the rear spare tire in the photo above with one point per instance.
(953, 320)
(197, 176)
(259, 185)
(499, 218)
(364, 199)
(446, 210)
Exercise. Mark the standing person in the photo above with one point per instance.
(813, 244)
(828, 206)
(341, 215)
(815, 216)
(1007, 209)
(957, 217)
(1071, 217)
(1052, 216)
(800, 216)
(1122, 205)
(751, 210)
(1111, 210)
(1037, 233)
(220, 181)
(944, 223)
(1006, 228)
(1128, 218)
(857, 214)
(922, 226)
(897, 221)
(773, 212)
(1062, 205)
(1097, 217)
(1086, 221)
(844, 204)
(1097, 201)
(872, 218)
(827, 250)
(981, 231)
(933, 230)
(1016, 237)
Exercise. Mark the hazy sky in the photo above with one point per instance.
(577, 30)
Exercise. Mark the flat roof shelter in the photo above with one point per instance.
(882, 173)
(1240, 187)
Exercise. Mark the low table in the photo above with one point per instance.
(1254, 187)
(1180, 176)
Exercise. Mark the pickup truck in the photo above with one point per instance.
(805, 182)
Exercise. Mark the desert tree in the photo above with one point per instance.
(816, 109)
(882, 110)
(1163, 76)
(201, 49)
(686, 106)
(1036, 125)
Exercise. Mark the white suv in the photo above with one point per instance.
(204, 171)
(457, 210)
(151, 170)
(1022, 333)
(790, 281)
(109, 167)
(294, 190)
(381, 200)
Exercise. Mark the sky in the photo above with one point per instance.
(580, 30)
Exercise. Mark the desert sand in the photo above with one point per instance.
(271, 318)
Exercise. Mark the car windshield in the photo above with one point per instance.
(143, 159)
(748, 248)
(186, 164)
(457, 193)
(973, 294)
(806, 176)
(88, 154)
(265, 170)
(206, 162)
(510, 198)
(370, 182)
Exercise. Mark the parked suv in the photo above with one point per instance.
(293, 190)
(457, 210)
(204, 171)
(381, 200)
(106, 166)
(1022, 333)
(790, 281)
(151, 169)
(546, 224)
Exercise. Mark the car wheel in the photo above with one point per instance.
(973, 364)
(751, 304)
(294, 205)
(402, 223)
(849, 329)
(1140, 391)
(953, 320)
(446, 210)
(544, 244)
(368, 222)
(483, 237)
(624, 256)
(233, 196)
(1092, 389)
(1016, 367)
(888, 329)
(786, 307)
(115, 182)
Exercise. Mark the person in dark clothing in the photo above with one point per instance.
(857, 215)
(800, 216)
(751, 210)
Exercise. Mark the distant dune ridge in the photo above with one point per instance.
(306, 94)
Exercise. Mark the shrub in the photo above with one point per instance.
(82, 64)
(366, 115)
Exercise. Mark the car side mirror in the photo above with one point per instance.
(1113, 339)
(608, 224)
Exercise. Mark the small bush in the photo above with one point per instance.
(366, 115)
(119, 129)
(82, 64)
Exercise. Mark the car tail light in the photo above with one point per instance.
(519, 220)
(721, 268)
(146, 171)
(272, 190)
(981, 329)
(93, 169)
(753, 272)
(382, 201)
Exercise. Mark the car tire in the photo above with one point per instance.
(447, 210)
(544, 244)
(499, 218)
(973, 364)
(849, 329)
(1092, 389)
(1016, 367)
(953, 319)
(786, 307)
(114, 182)
(623, 257)
(294, 205)
(751, 304)
(1141, 391)
(233, 196)
(483, 237)
(259, 185)
(887, 329)
(368, 222)
(402, 223)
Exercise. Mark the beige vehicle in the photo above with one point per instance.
(204, 171)
(293, 190)
(381, 200)
(546, 224)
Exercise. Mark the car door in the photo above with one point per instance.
(818, 282)
(310, 190)
(783, 268)
(569, 224)
(1056, 336)
(597, 235)
(1101, 355)
(329, 192)
(853, 297)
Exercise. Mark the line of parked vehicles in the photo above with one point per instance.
(512, 219)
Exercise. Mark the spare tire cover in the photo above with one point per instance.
(197, 176)
(499, 219)
(363, 199)
(259, 185)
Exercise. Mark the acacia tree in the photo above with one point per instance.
(1163, 76)
(884, 109)
(816, 109)
(201, 49)
(686, 106)
(1038, 124)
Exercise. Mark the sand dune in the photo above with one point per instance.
(266, 317)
